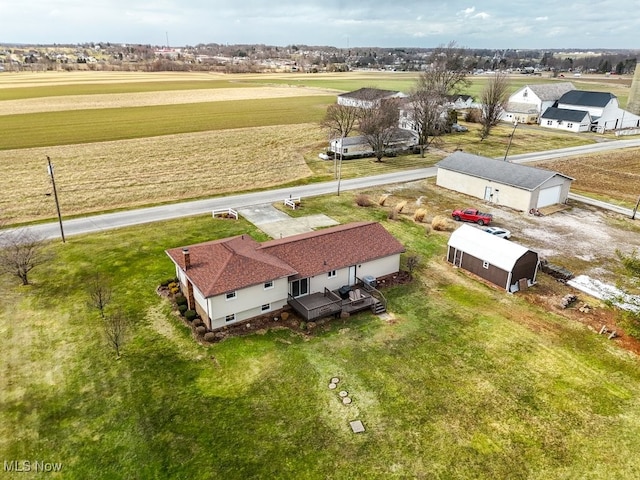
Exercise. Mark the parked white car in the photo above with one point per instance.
(498, 232)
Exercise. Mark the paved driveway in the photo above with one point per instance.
(278, 224)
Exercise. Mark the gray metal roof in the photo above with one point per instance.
(551, 91)
(506, 173)
(586, 99)
(369, 94)
(565, 114)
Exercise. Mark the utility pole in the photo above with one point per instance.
(55, 195)
(515, 124)
(633, 217)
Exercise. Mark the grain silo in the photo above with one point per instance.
(633, 104)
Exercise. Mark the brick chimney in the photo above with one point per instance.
(187, 259)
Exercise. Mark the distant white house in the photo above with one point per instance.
(367, 97)
(527, 104)
(565, 119)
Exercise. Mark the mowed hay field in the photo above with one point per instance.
(614, 176)
(129, 148)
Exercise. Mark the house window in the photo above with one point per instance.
(485, 264)
(549, 122)
(231, 295)
(300, 287)
(230, 318)
(525, 94)
(331, 274)
(268, 285)
(346, 150)
(569, 125)
(266, 307)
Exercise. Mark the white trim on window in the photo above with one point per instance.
(230, 318)
(485, 264)
(331, 274)
(268, 285)
(266, 307)
(231, 295)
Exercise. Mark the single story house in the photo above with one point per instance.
(357, 147)
(603, 108)
(235, 279)
(367, 97)
(501, 262)
(528, 103)
(513, 185)
(565, 119)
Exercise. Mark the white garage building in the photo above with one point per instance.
(504, 183)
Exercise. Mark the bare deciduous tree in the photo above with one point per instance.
(447, 73)
(115, 329)
(20, 252)
(340, 120)
(412, 263)
(100, 294)
(426, 111)
(378, 125)
(493, 98)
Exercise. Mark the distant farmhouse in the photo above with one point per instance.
(527, 104)
(561, 106)
(367, 97)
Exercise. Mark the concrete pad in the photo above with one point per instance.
(261, 214)
(295, 226)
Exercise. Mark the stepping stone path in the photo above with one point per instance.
(357, 426)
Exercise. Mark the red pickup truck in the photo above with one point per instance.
(472, 215)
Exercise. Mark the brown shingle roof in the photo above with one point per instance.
(329, 249)
(230, 264)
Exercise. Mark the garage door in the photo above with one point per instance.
(549, 196)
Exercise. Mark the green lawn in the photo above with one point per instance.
(448, 390)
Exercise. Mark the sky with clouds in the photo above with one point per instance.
(342, 23)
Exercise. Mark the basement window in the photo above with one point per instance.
(231, 295)
(485, 264)
(266, 307)
(230, 318)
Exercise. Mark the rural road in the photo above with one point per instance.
(108, 221)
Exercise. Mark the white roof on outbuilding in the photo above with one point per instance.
(496, 251)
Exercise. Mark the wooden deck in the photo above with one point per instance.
(320, 305)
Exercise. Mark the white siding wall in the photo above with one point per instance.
(516, 198)
(568, 126)
(248, 302)
(375, 268)
(525, 95)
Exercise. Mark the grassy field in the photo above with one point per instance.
(444, 390)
